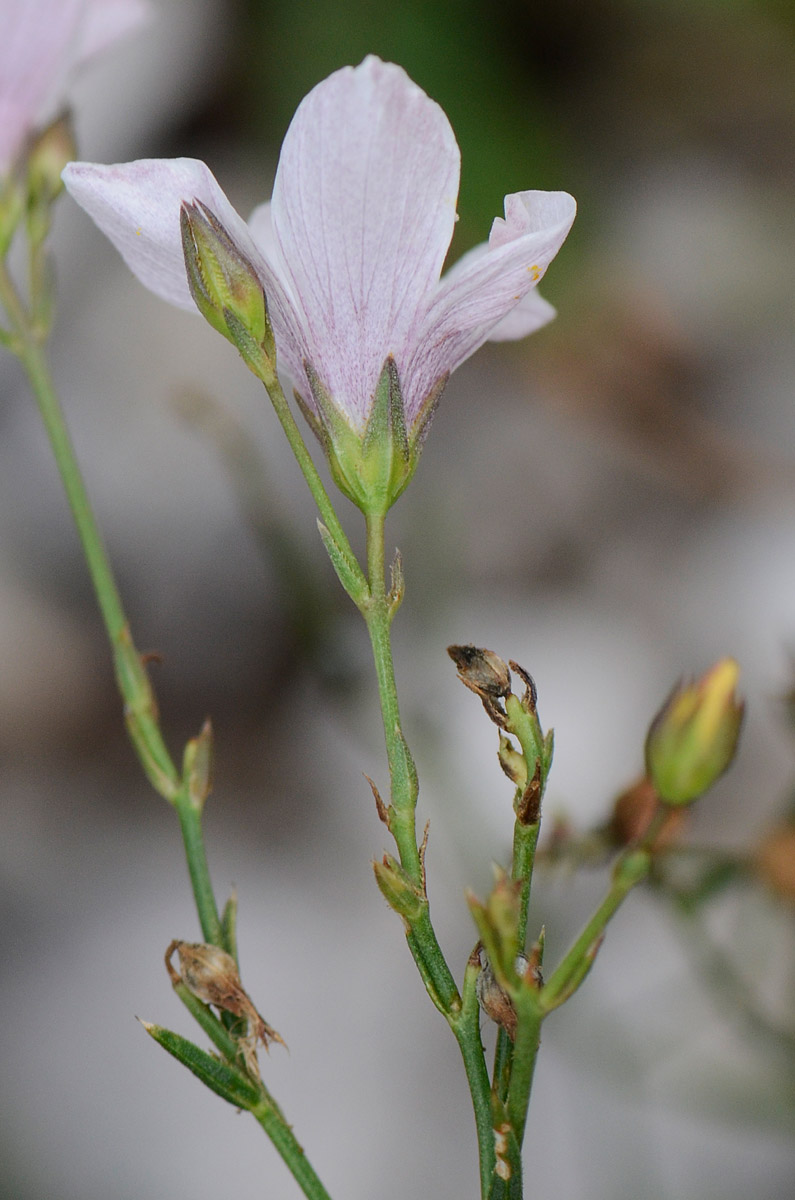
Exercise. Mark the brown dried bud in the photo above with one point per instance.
(211, 975)
(496, 1004)
(485, 674)
(632, 814)
(482, 671)
(774, 861)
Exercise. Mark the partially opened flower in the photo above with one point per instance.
(42, 44)
(349, 254)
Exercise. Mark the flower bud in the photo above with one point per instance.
(693, 738)
(226, 288)
(51, 150)
(398, 890)
(482, 671)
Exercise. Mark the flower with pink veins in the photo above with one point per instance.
(349, 251)
(42, 44)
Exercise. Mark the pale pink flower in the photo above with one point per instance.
(350, 249)
(42, 44)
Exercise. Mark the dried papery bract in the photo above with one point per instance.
(211, 975)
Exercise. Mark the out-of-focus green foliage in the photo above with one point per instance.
(456, 51)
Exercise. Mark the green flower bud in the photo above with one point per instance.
(226, 288)
(49, 153)
(693, 738)
(398, 890)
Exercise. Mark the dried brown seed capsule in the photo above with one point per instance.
(211, 975)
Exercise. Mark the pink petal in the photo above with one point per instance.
(531, 313)
(363, 212)
(478, 294)
(137, 206)
(36, 52)
(42, 42)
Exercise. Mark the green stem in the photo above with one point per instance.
(631, 868)
(402, 772)
(310, 474)
(139, 702)
(525, 840)
(467, 1032)
(269, 1116)
(522, 1065)
(190, 821)
(462, 1015)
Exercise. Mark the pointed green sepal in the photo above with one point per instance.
(498, 926)
(397, 889)
(372, 467)
(224, 1080)
(226, 288)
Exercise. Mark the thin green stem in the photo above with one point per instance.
(270, 1117)
(631, 869)
(525, 840)
(139, 702)
(467, 1032)
(310, 474)
(403, 776)
(522, 1067)
(190, 821)
(462, 1014)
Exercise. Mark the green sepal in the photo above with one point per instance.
(348, 570)
(398, 890)
(497, 922)
(226, 1081)
(373, 466)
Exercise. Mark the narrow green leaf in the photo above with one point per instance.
(348, 570)
(222, 1079)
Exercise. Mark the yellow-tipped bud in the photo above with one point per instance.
(693, 738)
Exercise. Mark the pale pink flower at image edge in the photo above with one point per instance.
(351, 247)
(42, 44)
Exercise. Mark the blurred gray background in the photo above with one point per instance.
(611, 503)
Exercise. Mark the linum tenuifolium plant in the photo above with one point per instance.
(335, 287)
